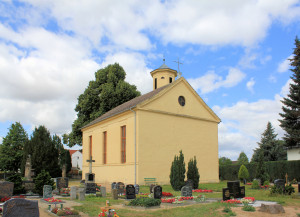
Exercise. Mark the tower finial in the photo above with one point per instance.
(164, 59)
(179, 73)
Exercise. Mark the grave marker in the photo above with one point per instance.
(47, 191)
(120, 187)
(234, 188)
(226, 194)
(73, 192)
(279, 183)
(137, 189)
(62, 182)
(81, 194)
(90, 188)
(130, 192)
(114, 193)
(114, 185)
(190, 182)
(20, 207)
(157, 191)
(151, 188)
(6, 189)
(186, 191)
(103, 191)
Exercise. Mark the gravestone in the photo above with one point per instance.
(28, 185)
(64, 171)
(20, 207)
(279, 183)
(234, 188)
(186, 191)
(121, 187)
(81, 194)
(62, 182)
(114, 185)
(73, 192)
(226, 194)
(242, 192)
(6, 189)
(157, 192)
(298, 188)
(114, 193)
(28, 168)
(190, 183)
(130, 192)
(151, 188)
(272, 208)
(90, 188)
(103, 191)
(47, 191)
(137, 189)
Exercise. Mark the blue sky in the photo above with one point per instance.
(234, 54)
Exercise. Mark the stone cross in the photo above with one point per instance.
(286, 178)
(90, 161)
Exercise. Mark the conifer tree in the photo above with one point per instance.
(243, 173)
(261, 172)
(243, 159)
(177, 174)
(291, 110)
(193, 172)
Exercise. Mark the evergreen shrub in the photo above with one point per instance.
(243, 173)
(193, 172)
(43, 178)
(177, 173)
(17, 180)
(146, 202)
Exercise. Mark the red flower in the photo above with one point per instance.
(167, 194)
(202, 191)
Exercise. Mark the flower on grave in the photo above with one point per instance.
(52, 200)
(202, 191)
(101, 214)
(168, 200)
(250, 198)
(167, 194)
(246, 201)
(231, 201)
(3, 199)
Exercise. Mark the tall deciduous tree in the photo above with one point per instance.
(291, 110)
(272, 149)
(43, 151)
(11, 150)
(243, 159)
(108, 90)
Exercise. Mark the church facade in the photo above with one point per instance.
(140, 138)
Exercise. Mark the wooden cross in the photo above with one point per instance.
(286, 178)
(90, 161)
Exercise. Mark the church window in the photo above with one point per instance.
(104, 146)
(181, 100)
(162, 77)
(123, 144)
(170, 80)
(155, 83)
(91, 145)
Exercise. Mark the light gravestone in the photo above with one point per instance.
(47, 191)
(81, 194)
(6, 189)
(186, 191)
(157, 192)
(103, 191)
(114, 185)
(17, 207)
(130, 192)
(114, 193)
(73, 192)
(151, 188)
(137, 189)
(121, 187)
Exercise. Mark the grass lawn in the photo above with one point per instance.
(92, 205)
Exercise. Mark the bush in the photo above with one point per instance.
(255, 184)
(289, 189)
(177, 173)
(266, 183)
(146, 202)
(17, 180)
(248, 208)
(243, 173)
(193, 172)
(43, 178)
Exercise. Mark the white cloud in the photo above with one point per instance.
(250, 85)
(1, 139)
(211, 81)
(284, 65)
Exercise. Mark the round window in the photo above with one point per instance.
(181, 100)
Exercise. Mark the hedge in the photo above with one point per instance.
(276, 170)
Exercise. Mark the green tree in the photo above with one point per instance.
(291, 110)
(108, 90)
(193, 172)
(43, 178)
(11, 150)
(261, 172)
(272, 149)
(43, 151)
(243, 173)
(224, 161)
(177, 174)
(64, 155)
(243, 159)
(17, 180)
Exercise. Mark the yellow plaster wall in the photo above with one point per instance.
(113, 170)
(163, 73)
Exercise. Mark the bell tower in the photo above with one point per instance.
(163, 76)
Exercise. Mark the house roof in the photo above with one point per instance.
(72, 152)
(127, 105)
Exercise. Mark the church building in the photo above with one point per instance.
(140, 138)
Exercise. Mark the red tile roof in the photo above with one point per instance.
(72, 152)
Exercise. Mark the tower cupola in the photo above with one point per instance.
(163, 76)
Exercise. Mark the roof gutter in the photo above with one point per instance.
(134, 144)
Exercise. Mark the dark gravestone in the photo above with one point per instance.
(130, 192)
(121, 187)
(114, 185)
(6, 189)
(47, 191)
(298, 187)
(157, 192)
(90, 177)
(234, 188)
(226, 194)
(151, 188)
(190, 183)
(62, 182)
(20, 207)
(137, 189)
(114, 193)
(186, 191)
(90, 188)
(279, 183)
(242, 192)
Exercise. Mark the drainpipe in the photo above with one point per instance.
(134, 144)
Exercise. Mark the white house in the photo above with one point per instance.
(293, 153)
(76, 157)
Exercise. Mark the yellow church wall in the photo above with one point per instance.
(163, 77)
(113, 170)
(168, 102)
(162, 136)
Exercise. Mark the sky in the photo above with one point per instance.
(234, 54)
